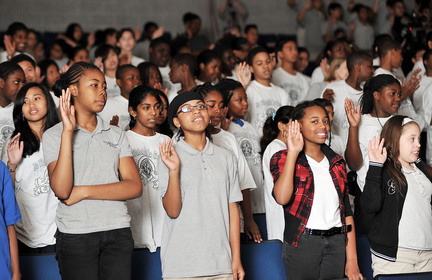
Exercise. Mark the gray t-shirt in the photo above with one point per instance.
(95, 158)
(196, 243)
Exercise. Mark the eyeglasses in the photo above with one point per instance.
(189, 108)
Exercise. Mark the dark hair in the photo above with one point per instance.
(324, 102)
(7, 68)
(429, 37)
(271, 129)
(158, 41)
(205, 89)
(378, 40)
(188, 17)
(302, 49)
(74, 51)
(122, 69)
(391, 132)
(136, 96)
(188, 60)
(282, 41)
(44, 65)
(249, 27)
(123, 30)
(31, 141)
(72, 76)
(164, 128)
(23, 57)
(206, 57)
(71, 29)
(356, 58)
(15, 27)
(227, 87)
(377, 83)
(107, 32)
(426, 56)
(239, 44)
(333, 6)
(331, 44)
(149, 25)
(253, 53)
(386, 45)
(103, 51)
(144, 68)
(63, 45)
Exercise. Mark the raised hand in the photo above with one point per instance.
(293, 137)
(353, 113)
(15, 150)
(99, 64)
(9, 45)
(225, 123)
(169, 155)
(243, 74)
(67, 111)
(66, 67)
(324, 66)
(328, 94)
(115, 120)
(408, 88)
(376, 150)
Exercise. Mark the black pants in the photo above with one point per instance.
(99, 255)
(315, 257)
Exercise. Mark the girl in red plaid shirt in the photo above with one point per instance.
(310, 181)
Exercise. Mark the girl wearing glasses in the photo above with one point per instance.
(201, 234)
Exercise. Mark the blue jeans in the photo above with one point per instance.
(315, 257)
(98, 255)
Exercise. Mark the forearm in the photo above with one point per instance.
(172, 199)
(61, 176)
(284, 186)
(301, 15)
(353, 154)
(246, 205)
(123, 190)
(234, 229)
(13, 248)
(351, 250)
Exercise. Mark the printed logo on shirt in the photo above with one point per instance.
(5, 131)
(246, 147)
(41, 184)
(392, 187)
(147, 171)
(111, 144)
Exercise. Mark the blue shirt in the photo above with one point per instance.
(10, 215)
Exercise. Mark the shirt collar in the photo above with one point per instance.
(239, 122)
(101, 126)
(208, 149)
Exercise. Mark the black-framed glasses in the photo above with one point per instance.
(189, 108)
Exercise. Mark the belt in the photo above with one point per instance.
(329, 232)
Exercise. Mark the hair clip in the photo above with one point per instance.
(274, 115)
(407, 120)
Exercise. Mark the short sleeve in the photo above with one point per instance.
(51, 145)
(11, 211)
(235, 194)
(4, 155)
(277, 163)
(125, 149)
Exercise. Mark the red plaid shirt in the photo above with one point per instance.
(298, 209)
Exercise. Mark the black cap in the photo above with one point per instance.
(178, 101)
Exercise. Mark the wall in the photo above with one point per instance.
(272, 16)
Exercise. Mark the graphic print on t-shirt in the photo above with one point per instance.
(41, 184)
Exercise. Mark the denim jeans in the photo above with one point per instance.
(98, 255)
(315, 257)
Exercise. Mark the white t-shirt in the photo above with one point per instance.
(136, 60)
(296, 86)
(336, 144)
(6, 123)
(263, 102)
(316, 90)
(325, 212)
(275, 219)
(146, 211)
(427, 103)
(341, 91)
(418, 65)
(418, 95)
(36, 200)
(166, 80)
(112, 88)
(55, 99)
(117, 105)
(248, 140)
(368, 128)
(317, 75)
(415, 225)
(363, 35)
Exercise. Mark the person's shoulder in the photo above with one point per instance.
(54, 130)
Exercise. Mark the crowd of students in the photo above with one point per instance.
(177, 144)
